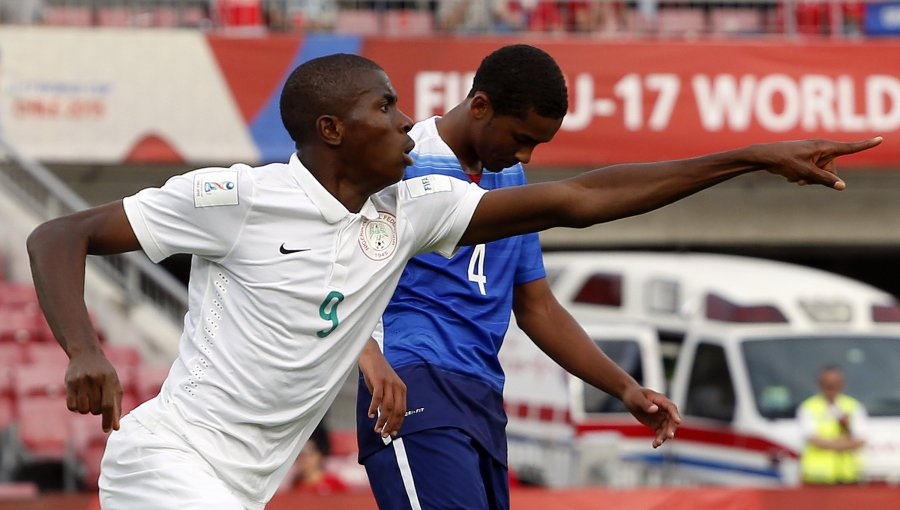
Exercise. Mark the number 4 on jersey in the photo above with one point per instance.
(476, 268)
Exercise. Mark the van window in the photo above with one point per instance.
(604, 289)
(710, 390)
(783, 371)
(626, 354)
(670, 345)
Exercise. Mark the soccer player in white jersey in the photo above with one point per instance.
(294, 263)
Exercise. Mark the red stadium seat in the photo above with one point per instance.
(166, 17)
(114, 17)
(123, 355)
(66, 15)
(343, 442)
(195, 17)
(17, 491)
(22, 324)
(408, 22)
(745, 20)
(42, 420)
(682, 22)
(11, 355)
(46, 353)
(128, 379)
(40, 410)
(88, 443)
(7, 399)
(127, 360)
(148, 380)
(17, 294)
(359, 22)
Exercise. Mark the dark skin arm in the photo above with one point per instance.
(556, 332)
(621, 191)
(57, 250)
(387, 389)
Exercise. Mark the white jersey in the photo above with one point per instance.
(285, 287)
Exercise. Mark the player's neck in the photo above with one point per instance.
(453, 130)
(349, 191)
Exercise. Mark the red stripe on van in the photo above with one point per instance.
(710, 436)
(545, 413)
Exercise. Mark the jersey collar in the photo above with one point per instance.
(332, 210)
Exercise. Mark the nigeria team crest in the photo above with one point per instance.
(378, 237)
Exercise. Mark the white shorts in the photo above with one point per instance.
(147, 470)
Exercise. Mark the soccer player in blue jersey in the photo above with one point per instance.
(445, 324)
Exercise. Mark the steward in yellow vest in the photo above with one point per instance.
(831, 423)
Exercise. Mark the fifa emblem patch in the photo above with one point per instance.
(428, 184)
(378, 237)
(216, 188)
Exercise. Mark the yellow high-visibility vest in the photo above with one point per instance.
(820, 465)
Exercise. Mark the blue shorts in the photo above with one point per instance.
(433, 469)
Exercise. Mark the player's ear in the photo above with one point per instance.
(330, 129)
(480, 106)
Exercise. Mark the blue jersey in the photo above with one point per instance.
(446, 321)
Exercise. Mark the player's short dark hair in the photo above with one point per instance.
(321, 86)
(518, 78)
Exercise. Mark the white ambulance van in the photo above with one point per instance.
(736, 342)
(546, 408)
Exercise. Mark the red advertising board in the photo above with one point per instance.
(643, 101)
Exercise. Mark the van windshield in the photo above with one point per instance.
(783, 372)
(626, 354)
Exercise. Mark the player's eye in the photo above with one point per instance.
(521, 140)
(387, 102)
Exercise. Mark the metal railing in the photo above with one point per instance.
(44, 193)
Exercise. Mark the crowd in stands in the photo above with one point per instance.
(600, 18)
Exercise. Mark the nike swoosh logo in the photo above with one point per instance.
(288, 252)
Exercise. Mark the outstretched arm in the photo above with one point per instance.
(57, 250)
(557, 333)
(621, 191)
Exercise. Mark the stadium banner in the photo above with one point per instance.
(644, 101)
(111, 96)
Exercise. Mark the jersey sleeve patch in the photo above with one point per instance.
(428, 184)
(216, 188)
